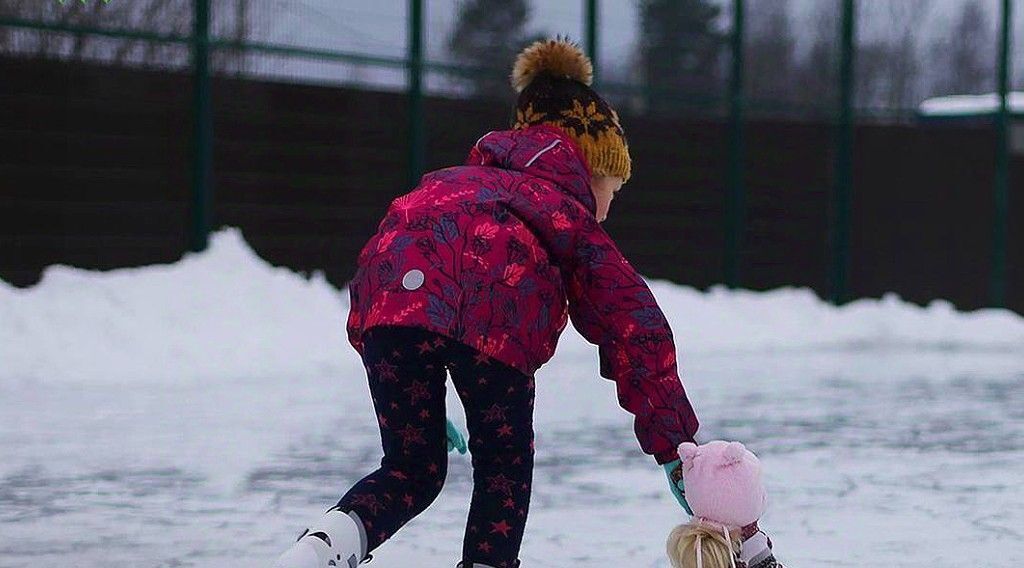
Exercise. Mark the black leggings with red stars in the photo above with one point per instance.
(406, 369)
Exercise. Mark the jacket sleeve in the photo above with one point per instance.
(612, 307)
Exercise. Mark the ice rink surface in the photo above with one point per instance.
(154, 418)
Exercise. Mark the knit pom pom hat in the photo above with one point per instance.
(723, 483)
(553, 80)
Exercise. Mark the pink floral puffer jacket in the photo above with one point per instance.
(496, 254)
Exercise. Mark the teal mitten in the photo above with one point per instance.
(674, 471)
(456, 441)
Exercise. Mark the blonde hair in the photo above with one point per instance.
(685, 542)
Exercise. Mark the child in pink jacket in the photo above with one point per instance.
(475, 273)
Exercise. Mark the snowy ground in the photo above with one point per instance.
(198, 414)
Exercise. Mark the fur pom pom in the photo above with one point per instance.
(558, 57)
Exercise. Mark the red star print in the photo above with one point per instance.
(505, 430)
(438, 342)
(399, 475)
(501, 527)
(424, 414)
(484, 547)
(417, 391)
(511, 390)
(496, 413)
(517, 460)
(408, 500)
(370, 502)
(530, 384)
(394, 406)
(500, 484)
(396, 354)
(432, 468)
(382, 420)
(386, 371)
(482, 381)
(411, 435)
(482, 359)
(425, 347)
(510, 503)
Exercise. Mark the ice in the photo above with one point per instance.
(198, 414)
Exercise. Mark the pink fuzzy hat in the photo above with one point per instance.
(723, 483)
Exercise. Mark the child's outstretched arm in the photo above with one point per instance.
(612, 307)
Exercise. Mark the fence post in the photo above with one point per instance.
(417, 136)
(202, 133)
(841, 195)
(591, 16)
(1002, 186)
(735, 196)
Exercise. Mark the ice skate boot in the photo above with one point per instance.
(336, 539)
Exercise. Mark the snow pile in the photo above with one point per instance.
(960, 105)
(792, 319)
(226, 314)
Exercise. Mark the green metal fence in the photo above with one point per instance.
(734, 104)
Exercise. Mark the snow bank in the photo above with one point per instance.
(226, 314)
(792, 319)
(221, 314)
(959, 105)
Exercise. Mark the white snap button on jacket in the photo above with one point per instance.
(413, 279)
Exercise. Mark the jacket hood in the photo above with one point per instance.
(540, 151)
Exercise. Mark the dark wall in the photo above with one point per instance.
(94, 172)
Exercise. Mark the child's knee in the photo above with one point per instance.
(514, 452)
(502, 439)
(424, 471)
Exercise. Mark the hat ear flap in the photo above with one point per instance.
(733, 454)
(687, 451)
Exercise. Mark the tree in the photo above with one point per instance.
(770, 56)
(160, 16)
(679, 49)
(968, 56)
(488, 35)
(818, 72)
(893, 80)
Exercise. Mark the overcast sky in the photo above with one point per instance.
(378, 27)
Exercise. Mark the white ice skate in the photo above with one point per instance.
(336, 539)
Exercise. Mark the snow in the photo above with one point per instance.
(221, 314)
(226, 314)
(970, 105)
(199, 413)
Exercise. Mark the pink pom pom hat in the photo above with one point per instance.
(723, 483)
